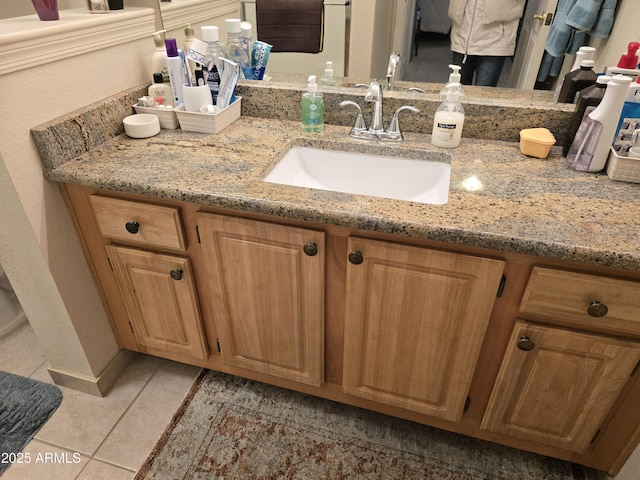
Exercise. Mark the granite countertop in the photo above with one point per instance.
(519, 204)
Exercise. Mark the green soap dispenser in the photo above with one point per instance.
(312, 107)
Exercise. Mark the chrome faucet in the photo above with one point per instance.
(394, 61)
(376, 130)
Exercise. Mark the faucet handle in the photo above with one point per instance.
(360, 126)
(394, 132)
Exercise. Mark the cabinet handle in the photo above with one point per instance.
(356, 257)
(597, 309)
(132, 227)
(525, 344)
(310, 249)
(176, 274)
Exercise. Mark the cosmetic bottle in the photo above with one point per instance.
(159, 56)
(328, 78)
(577, 80)
(213, 59)
(590, 148)
(448, 120)
(160, 89)
(583, 53)
(454, 78)
(588, 99)
(235, 48)
(176, 70)
(312, 107)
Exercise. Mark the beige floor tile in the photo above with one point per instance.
(20, 352)
(133, 438)
(83, 421)
(46, 462)
(96, 470)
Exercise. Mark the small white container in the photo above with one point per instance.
(209, 122)
(167, 116)
(141, 125)
(623, 169)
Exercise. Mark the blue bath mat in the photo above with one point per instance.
(25, 405)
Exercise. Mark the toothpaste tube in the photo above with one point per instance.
(259, 58)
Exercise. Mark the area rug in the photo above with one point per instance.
(25, 405)
(233, 428)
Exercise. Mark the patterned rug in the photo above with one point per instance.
(25, 405)
(233, 428)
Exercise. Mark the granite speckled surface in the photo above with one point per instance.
(521, 204)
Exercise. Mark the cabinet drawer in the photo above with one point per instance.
(567, 298)
(139, 223)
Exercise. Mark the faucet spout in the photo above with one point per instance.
(374, 94)
(394, 61)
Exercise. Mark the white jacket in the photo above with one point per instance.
(482, 27)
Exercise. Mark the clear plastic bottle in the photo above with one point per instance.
(454, 79)
(234, 45)
(213, 64)
(328, 78)
(448, 120)
(312, 107)
(246, 36)
(590, 148)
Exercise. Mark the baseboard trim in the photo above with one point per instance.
(100, 385)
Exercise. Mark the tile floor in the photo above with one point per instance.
(103, 438)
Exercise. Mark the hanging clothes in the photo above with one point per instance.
(574, 20)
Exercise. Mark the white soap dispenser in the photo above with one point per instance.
(448, 120)
(159, 56)
(328, 78)
(454, 79)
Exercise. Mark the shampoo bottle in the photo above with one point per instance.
(590, 148)
(448, 120)
(312, 107)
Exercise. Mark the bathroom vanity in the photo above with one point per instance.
(511, 313)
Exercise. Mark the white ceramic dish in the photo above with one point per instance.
(141, 125)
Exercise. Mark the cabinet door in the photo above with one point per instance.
(556, 386)
(267, 289)
(160, 298)
(415, 323)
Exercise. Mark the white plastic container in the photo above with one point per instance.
(448, 121)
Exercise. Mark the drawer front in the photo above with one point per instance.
(583, 300)
(139, 223)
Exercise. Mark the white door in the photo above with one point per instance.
(536, 24)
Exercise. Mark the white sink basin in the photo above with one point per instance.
(415, 180)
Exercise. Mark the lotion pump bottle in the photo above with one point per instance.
(328, 78)
(454, 80)
(312, 107)
(448, 120)
(159, 56)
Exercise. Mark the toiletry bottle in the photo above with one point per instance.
(312, 107)
(159, 56)
(234, 46)
(631, 106)
(448, 120)
(246, 36)
(159, 89)
(588, 99)
(189, 35)
(328, 78)
(213, 59)
(583, 53)
(592, 143)
(176, 70)
(576, 81)
(454, 78)
(630, 59)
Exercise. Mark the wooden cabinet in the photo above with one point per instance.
(414, 324)
(267, 289)
(160, 297)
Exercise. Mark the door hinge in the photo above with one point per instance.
(131, 327)
(466, 405)
(198, 234)
(595, 436)
(635, 369)
(503, 280)
(218, 345)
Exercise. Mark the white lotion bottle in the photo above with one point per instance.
(159, 56)
(448, 120)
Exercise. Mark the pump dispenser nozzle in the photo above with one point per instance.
(454, 80)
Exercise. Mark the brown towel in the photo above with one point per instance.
(291, 25)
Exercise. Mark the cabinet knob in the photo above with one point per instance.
(132, 227)
(310, 249)
(176, 274)
(356, 257)
(597, 309)
(525, 343)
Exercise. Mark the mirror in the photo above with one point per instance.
(372, 59)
